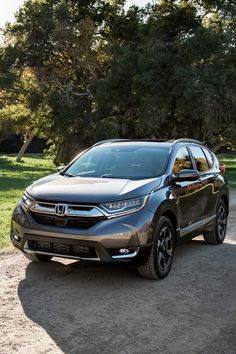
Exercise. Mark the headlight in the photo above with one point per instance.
(26, 200)
(124, 206)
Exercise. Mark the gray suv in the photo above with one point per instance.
(125, 200)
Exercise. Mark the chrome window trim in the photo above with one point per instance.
(210, 170)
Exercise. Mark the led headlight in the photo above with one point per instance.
(26, 200)
(125, 206)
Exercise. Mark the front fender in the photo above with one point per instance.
(161, 203)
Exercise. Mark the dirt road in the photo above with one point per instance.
(73, 307)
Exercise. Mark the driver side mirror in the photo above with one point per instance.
(186, 175)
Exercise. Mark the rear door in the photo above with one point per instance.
(205, 196)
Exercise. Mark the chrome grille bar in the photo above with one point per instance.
(43, 208)
(89, 211)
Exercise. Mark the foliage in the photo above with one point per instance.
(14, 178)
(79, 71)
(178, 79)
(23, 109)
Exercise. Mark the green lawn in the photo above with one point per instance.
(14, 178)
(230, 161)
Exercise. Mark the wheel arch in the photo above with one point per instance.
(225, 199)
(169, 211)
(172, 216)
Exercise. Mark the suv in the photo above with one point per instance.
(125, 200)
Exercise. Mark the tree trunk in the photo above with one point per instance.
(68, 149)
(24, 147)
(220, 145)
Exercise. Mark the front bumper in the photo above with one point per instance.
(101, 242)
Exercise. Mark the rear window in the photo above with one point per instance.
(200, 158)
(209, 156)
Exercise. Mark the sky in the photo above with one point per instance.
(8, 8)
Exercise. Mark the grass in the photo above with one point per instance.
(230, 161)
(14, 178)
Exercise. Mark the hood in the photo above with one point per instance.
(89, 190)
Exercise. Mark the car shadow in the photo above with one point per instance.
(108, 308)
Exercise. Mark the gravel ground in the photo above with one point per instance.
(74, 307)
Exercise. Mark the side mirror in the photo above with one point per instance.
(222, 168)
(61, 168)
(186, 175)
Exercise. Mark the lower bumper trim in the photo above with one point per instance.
(67, 248)
(28, 250)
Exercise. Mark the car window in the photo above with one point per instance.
(209, 157)
(200, 158)
(182, 161)
(133, 161)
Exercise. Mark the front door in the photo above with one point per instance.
(186, 193)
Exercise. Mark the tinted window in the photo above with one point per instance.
(209, 157)
(121, 161)
(182, 161)
(200, 159)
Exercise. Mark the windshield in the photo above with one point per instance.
(126, 162)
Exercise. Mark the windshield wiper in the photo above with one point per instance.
(106, 175)
(67, 174)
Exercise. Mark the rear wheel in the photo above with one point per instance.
(37, 257)
(160, 259)
(217, 235)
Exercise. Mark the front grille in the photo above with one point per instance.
(63, 249)
(67, 222)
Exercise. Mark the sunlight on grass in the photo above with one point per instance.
(230, 161)
(14, 178)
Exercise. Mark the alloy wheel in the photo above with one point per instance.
(165, 248)
(221, 221)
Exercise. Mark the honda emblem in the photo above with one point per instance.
(61, 209)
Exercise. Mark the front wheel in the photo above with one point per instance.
(217, 235)
(37, 257)
(159, 262)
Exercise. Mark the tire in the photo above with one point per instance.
(217, 235)
(37, 257)
(159, 262)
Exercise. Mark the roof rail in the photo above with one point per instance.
(181, 140)
(131, 140)
(109, 141)
(186, 140)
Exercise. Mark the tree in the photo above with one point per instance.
(62, 41)
(23, 109)
(177, 79)
(96, 71)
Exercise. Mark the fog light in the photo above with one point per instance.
(123, 251)
(16, 237)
